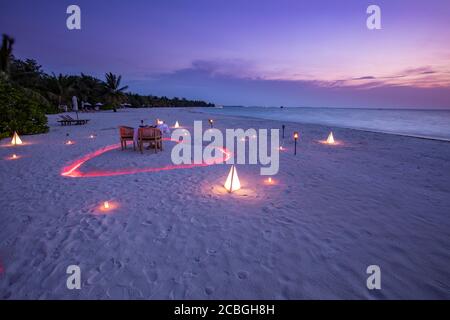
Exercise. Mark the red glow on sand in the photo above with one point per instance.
(106, 207)
(13, 157)
(73, 169)
(335, 143)
(270, 181)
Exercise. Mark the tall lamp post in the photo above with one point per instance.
(295, 142)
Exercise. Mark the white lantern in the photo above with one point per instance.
(330, 139)
(232, 183)
(16, 139)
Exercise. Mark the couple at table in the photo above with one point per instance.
(161, 126)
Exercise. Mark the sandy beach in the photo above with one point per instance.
(373, 199)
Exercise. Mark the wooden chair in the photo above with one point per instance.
(126, 134)
(151, 135)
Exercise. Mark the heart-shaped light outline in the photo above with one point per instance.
(73, 169)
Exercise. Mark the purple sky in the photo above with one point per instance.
(239, 52)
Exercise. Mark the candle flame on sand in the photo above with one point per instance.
(330, 139)
(12, 157)
(270, 181)
(106, 207)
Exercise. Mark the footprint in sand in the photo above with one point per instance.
(242, 275)
(209, 291)
(151, 276)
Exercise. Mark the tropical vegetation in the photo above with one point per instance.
(27, 93)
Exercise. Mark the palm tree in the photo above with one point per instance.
(114, 93)
(88, 87)
(61, 86)
(6, 53)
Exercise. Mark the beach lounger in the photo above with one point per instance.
(126, 134)
(68, 120)
(64, 121)
(151, 135)
(77, 121)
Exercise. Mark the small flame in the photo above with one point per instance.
(16, 139)
(330, 139)
(69, 142)
(14, 156)
(92, 136)
(269, 180)
(281, 148)
(177, 125)
(232, 183)
(106, 205)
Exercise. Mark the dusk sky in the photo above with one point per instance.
(266, 53)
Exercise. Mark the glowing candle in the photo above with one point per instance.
(106, 205)
(16, 139)
(330, 139)
(232, 183)
(177, 125)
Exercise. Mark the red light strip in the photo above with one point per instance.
(73, 169)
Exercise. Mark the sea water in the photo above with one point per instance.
(433, 124)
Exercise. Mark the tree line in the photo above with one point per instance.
(27, 93)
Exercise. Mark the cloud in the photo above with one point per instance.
(365, 78)
(235, 82)
(226, 67)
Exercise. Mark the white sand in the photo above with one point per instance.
(376, 199)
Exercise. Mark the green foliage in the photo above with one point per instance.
(138, 101)
(21, 110)
(6, 53)
(27, 93)
(114, 93)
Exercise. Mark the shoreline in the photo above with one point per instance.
(424, 137)
(197, 110)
